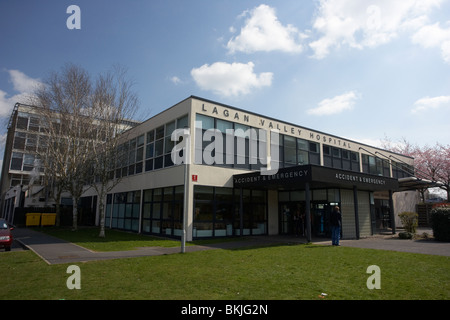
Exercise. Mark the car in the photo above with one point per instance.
(6, 237)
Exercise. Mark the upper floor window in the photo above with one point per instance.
(375, 165)
(340, 158)
(159, 144)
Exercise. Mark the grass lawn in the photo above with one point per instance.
(266, 273)
(114, 241)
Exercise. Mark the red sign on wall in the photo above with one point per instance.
(194, 178)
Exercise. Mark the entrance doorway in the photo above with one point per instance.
(382, 215)
(293, 222)
(320, 218)
(292, 218)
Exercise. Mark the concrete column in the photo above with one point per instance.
(391, 210)
(355, 202)
(272, 219)
(308, 212)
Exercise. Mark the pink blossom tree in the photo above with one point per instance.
(430, 162)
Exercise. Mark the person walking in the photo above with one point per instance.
(336, 223)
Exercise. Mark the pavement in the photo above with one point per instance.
(56, 251)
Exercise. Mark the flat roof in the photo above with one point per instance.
(291, 124)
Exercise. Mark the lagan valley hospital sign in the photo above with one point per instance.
(238, 116)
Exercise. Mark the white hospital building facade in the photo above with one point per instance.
(249, 174)
(311, 172)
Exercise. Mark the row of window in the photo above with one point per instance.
(216, 211)
(339, 158)
(228, 144)
(22, 161)
(148, 151)
(249, 146)
(162, 211)
(29, 122)
(123, 210)
(295, 151)
(152, 150)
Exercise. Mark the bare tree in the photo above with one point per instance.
(114, 104)
(83, 120)
(53, 153)
(64, 101)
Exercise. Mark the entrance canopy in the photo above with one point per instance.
(414, 183)
(317, 177)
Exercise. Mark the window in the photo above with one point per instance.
(169, 144)
(16, 179)
(16, 161)
(162, 211)
(217, 212)
(242, 135)
(314, 153)
(125, 211)
(340, 158)
(139, 153)
(203, 211)
(31, 142)
(241, 150)
(149, 150)
(182, 122)
(296, 151)
(34, 124)
(159, 145)
(400, 170)
(131, 156)
(375, 165)
(158, 150)
(290, 151)
(22, 121)
(28, 162)
(19, 140)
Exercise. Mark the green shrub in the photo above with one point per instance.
(440, 222)
(409, 221)
(405, 235)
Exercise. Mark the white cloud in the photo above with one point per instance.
(22, 82)
(427, 104)
(23, 85)
(432, 36)
(230, 79)
(175, 80)
(368, 141)
(264, 32)
(359, 24)
(335, 105)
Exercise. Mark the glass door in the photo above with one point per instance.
(320, 219)
(292, 218)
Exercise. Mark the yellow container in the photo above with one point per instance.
(33, 219)
(48, 219)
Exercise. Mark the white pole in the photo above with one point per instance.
(185, 208)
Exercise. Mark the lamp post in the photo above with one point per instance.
(185, 207)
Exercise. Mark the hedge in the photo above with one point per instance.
(440, 222)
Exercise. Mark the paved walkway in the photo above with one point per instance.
(56, 251)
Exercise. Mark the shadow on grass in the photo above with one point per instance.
(113, 240)
(118, 240)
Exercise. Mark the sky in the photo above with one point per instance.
(362, 70)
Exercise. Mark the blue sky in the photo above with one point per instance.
(364, 70)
